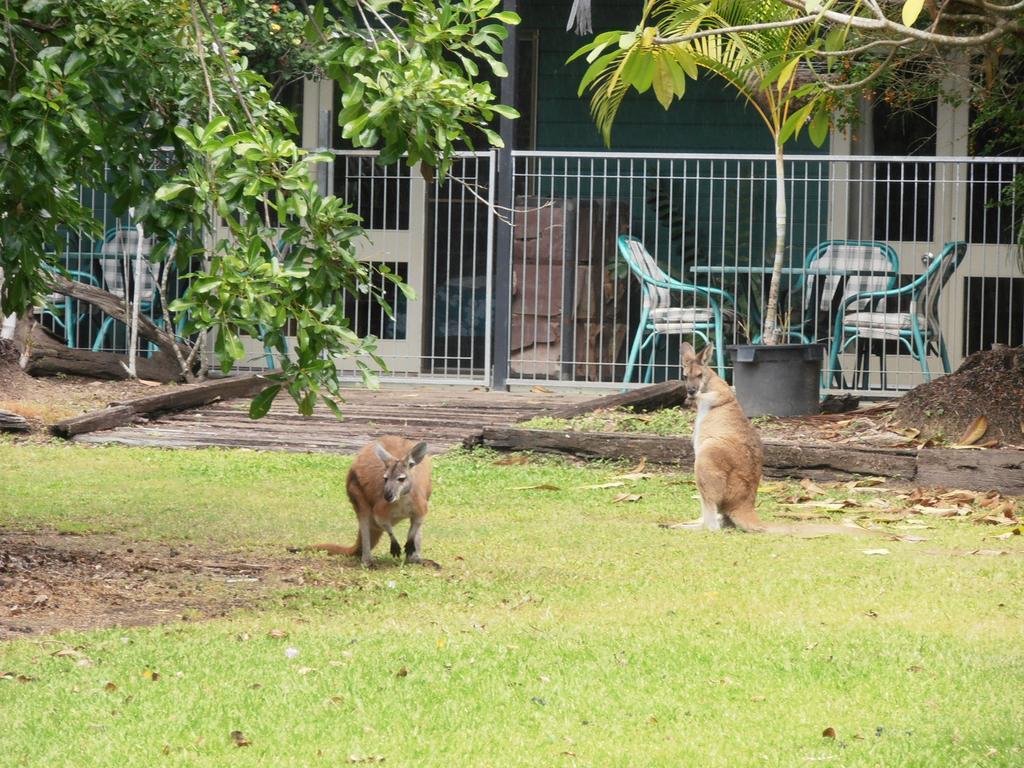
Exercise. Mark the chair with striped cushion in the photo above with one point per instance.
(119, 250)
(867, 315)
(704, 318)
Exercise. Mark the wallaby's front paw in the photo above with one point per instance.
(396, 548)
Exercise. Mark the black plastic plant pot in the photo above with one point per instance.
(777, 380)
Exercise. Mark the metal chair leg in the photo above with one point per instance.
(635, 348)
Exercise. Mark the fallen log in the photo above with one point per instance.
(780, 459)
(666, 394)
(41, 354)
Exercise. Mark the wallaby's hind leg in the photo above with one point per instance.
(712, 486)
(709, 515)
(366, 539)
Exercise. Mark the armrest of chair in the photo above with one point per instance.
(707, 291)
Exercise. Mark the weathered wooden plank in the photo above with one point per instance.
(12, 422)
(199, 394)
(993, 469)
(824, 459)
(598, 445)
(780, 459)
(120, 414)
(666, 394)
(114, 416)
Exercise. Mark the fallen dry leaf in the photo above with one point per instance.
(995, 520)
(541, 487)
(110, 687)
(987, 552)
(599, 486)
(960, 496)
(828, 733)
(882, 551)
(626, 497)
(366, 758)
(1008, 535)
(811, 487)
(539, 388)
(403, 672)
(239, 738)
(634, 476)
(277, 634)
(974, 432)
(149, 674)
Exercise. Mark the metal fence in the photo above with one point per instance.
(854, 224)
(707, 221)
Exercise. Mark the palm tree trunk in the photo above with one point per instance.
(770, 332)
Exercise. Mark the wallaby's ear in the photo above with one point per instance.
(686, 350)
(382, 454)
(706, 353)
(416, 454)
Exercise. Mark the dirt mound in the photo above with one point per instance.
(989, 384)
(53, 582)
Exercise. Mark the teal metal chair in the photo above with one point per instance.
(62, 309)
(118, 244)
(658, 317)
(874, 266)
(867, 315)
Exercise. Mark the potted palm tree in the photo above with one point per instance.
(758, 48)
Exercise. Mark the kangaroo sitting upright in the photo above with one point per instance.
(388, 481)
(728, 457)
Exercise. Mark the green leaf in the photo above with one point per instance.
(331, 403)
(685, 59)
(596, 69)
(664, 84)
(260, 405)
(795, 122)
(43, 141)
(639, 70)
(171, 190)
(186, 136)
(787, 74)
(911, 10)
(505, 111)
(507, 17)
(216, 125)
(493, 137)
(818, 129)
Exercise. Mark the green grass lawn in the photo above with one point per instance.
(565, 629)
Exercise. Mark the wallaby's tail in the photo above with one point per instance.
(745, 518)
(339, 549)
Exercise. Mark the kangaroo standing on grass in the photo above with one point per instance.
(728, 457)
(388, 481)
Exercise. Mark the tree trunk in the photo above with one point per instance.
(111, 305)
(44, 355)
(770, 330)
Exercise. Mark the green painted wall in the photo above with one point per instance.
(709, 119)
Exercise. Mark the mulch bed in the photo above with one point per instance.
(53, 582)
(987, 385)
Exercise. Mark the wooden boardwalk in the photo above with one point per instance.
(444, 417)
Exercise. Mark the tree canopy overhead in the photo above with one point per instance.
(93, 89)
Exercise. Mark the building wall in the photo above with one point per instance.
(711, 118)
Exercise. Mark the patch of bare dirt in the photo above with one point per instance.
(47, 400)
(988, 384)
(51, 582)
